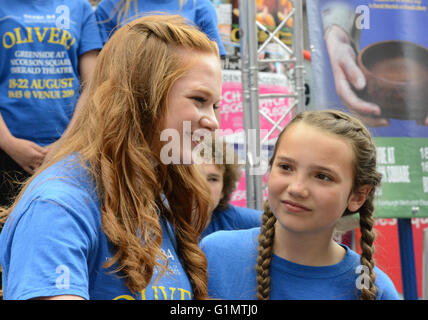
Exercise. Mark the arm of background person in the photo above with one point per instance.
(87, 62)
(26, 153)
(206, 19)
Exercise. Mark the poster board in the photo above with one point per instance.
(393, 61)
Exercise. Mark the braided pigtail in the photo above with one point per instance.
(265, 249)
(368, 290)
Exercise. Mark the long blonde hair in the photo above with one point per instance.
(117, 135)
(365, 173)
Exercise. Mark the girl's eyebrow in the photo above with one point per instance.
(213, 175)
(315, 167)
(284, 158)
(325, 169)
(206, 92)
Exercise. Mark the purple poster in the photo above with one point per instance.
(371, 58)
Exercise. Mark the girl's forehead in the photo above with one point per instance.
(301, 130)
(309, 143)
(213, 167)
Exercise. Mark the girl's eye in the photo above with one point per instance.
(200, 100)
(284, 167)
(324, 177)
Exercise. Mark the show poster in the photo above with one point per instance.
(370, 57)
(270, 14)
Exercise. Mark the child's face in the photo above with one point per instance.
(214, 176)
(311, 179)
(193, 99)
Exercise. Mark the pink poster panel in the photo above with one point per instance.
(231, 113)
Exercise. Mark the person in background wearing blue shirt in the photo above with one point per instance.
(49, 49)
(222, 178)
(107, 216)
(323, 167)
(112, 13)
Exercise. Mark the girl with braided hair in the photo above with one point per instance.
(107, 217)
(323, 168)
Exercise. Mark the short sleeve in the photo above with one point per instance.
(207, 21)
(90, 37)
(247, 218)
(106, 20)
(48, 252)
(386, 288)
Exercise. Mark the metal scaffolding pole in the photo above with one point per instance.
(250, 100)
(250, 89)
(298, 55)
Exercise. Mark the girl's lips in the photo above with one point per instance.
(294, 206)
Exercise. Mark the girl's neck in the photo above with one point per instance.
(307, 248)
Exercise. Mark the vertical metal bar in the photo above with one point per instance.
(407, 256)
(298, 52)
(250, 92)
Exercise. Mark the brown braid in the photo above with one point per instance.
(265, 249)
(366, 243)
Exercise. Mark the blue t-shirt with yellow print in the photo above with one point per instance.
(41, 42)
(53, 244)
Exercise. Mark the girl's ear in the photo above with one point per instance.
(357, 198)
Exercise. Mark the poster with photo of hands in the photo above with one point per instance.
(370, 58)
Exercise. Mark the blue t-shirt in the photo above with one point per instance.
(234, 218)
(39, 76)
(53, 244)
(201, 12)
(232, 257)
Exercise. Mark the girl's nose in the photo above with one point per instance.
(209, 121)
(297, 188)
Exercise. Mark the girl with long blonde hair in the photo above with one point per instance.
(106, 217)
(323, 168)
